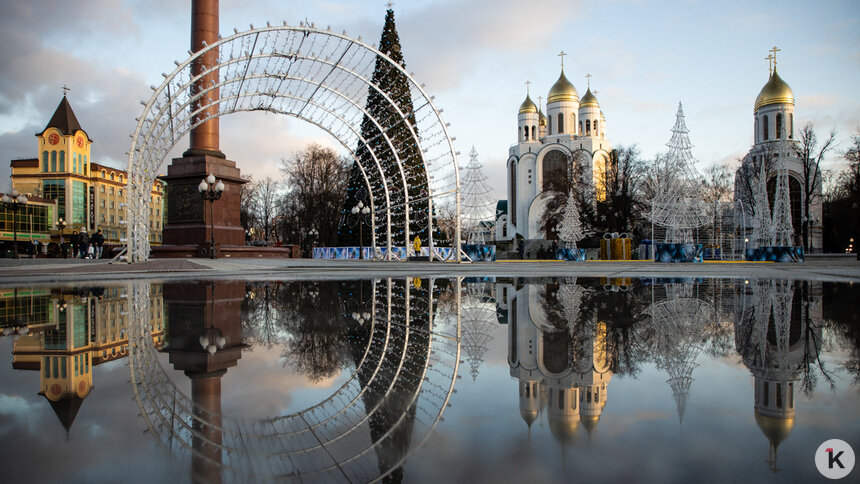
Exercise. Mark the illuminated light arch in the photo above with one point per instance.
(314, 75)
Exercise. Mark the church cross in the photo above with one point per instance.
(390, 5)
(588, 76)
(769, 60)
(65, 90)
(528, 83)
(773, 53)
(562, 54)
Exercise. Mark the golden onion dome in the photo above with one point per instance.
(564, 429)
(589, 100)
(562, 90)
(590, 422)
(529, 415)
(542, 121)
(528, 106)
(776, 91)
(775, 429)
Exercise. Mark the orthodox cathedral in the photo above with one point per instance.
(572, 128)
(774, 153)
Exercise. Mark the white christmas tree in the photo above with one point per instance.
(476, 206)
(781, 229)
(761, 222)
(571, 226)
(677, 204)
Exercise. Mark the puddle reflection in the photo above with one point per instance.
(389, 354)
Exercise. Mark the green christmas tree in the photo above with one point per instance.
(399, 129)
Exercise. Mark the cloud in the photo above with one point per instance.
(445, 42)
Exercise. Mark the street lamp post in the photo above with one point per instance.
(15, 201)
(211, 189)
(360, 211)
(61, 224)
(313, 234)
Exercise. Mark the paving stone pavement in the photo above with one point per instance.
(28, 271)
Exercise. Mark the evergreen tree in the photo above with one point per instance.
(398, 129)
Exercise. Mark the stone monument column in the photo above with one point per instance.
(188, 219)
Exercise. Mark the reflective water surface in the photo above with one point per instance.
(427, 380)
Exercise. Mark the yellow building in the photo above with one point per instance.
(64, 334)
(87, 194)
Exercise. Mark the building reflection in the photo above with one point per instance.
(778, 335)
(560, 355)
(63, 334)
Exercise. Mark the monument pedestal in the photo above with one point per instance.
(189, 217)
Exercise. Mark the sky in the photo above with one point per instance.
(475, 56)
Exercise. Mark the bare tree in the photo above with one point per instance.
(622, 183)
(842, 202)
(316, 182)
(811, 153)
(717, 184)
(247, 216)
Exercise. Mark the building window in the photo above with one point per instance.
(764, 128)
(120, 192)
(779, 126)
(104, 174)
(534, 132)
(549, 124)
(103, 203)
(525, 133)
(111, 175)
(79, 203)
(45, 161)
(596, 132)
(554, 169)
(560, 123)
(513, 192)
(120, 178)
(111, 190)
(102, 218)
(111, 204)
(56, 190)
(53, 161)
(62, 160)
(587, 127)
(111, 219)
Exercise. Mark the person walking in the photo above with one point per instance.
(98, 242)
(83, 242)
(75, 238)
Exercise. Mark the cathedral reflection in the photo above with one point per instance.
(64, 333)
(560, 354)
(778, 331)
